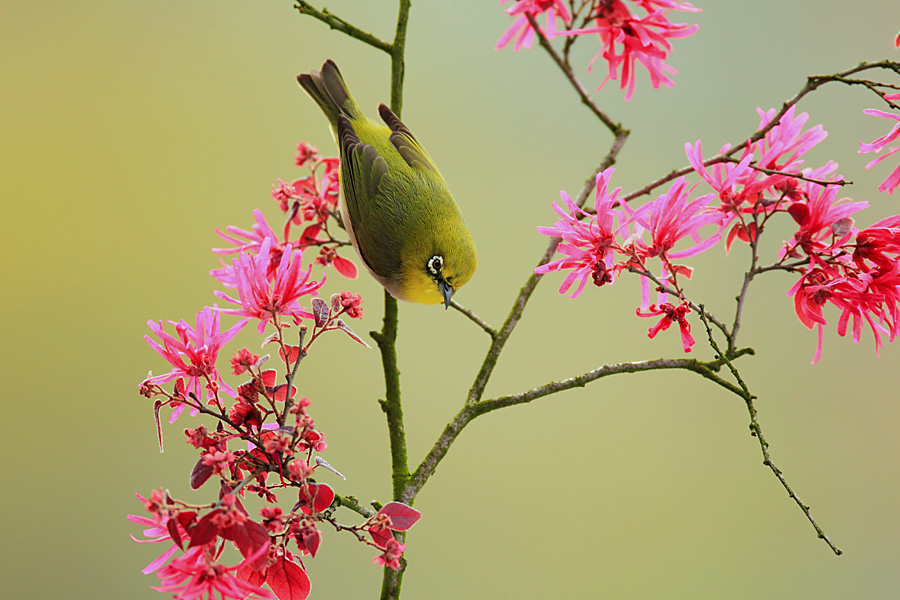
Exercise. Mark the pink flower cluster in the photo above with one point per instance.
(856, 271)
(265, 442)
(631, 33)
(599, 247)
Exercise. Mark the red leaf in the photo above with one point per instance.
(293, 353)
(731, 235)
(172, 526)
(402, 516)
(288, 580)
(248, 574)
(200, 474)
(259, 453)
(345, 267)
(311, 543)
(799, 211)
(320, 311)
(307, 185)
(204, 531)
(320, 497)
(186, 519)
(269, 377)
(381, 537)
(250, 537)
(310, 234)
(280, 392)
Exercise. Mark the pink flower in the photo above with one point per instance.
(391, 553)
(193, 352)
(875, 243)
(305, 153)
(893, 180)
(263, 297)
(819, 218)
(818, 287)
(350, 302)
(744, 190)
(670, 314)
(156, 531)
(247, 241)
(784, 144)
(242, 360)
(553, 8)
(196, 575)
(588, 244)
(672, 217)
(644, 40)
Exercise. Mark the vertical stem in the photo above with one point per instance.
(391, 405)
(387, 338)
(398, 49)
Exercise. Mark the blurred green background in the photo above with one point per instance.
(130, 130)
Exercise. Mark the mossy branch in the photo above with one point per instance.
(339, 24)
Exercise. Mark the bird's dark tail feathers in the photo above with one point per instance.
(328, 89)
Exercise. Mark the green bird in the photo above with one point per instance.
(401, 218)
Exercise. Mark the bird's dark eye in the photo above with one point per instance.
(435, 264)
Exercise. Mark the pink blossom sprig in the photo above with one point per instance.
(598, 247)
(856, 271)
(631, 33)
(265, 441)
(892, 180)
(837, 263)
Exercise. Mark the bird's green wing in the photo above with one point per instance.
(405, 142)
(364, 179)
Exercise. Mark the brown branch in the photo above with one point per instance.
(335, 22)
(756, 431)
(473, 410)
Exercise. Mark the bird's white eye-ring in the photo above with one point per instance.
(435, 264)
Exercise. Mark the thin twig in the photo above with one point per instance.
(812, 83)
(799, 176)
(289, 399)
(474, 318)
(756, 430)
(748, 277)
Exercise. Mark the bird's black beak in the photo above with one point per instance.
(446, 291)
